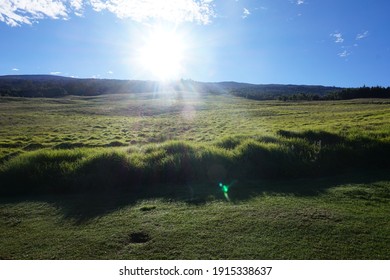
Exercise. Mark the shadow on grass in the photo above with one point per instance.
(88, 183)
(308, 187)
(83, 207)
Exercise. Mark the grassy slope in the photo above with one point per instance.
(311, 218)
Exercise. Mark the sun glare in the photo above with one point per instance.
(162, 54)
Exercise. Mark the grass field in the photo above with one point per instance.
(136, 177)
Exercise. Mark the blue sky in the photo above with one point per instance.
(332, 42)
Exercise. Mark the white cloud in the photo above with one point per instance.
(200, 11)
(110, 72)
(362, 35)
(297, 2)
(344, 53)
(15, 69)
(98, 5)
(77, 6)
(18, 12)
(338, 37)
(55, 73)
(245, 13)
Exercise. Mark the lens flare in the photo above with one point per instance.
(225, 190)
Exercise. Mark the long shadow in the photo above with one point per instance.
(306, 187)
(109, 183)
(83, 207)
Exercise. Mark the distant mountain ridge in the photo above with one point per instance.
(35, 77)
(57, 86)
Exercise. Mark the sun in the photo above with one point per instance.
(162, 54)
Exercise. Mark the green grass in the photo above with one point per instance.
(345, 221)
(289, 155)
(30, 124)
(136, 176)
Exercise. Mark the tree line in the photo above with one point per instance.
(49, 86)
(56, 86)
(344, 94)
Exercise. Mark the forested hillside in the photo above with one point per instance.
(56, 86)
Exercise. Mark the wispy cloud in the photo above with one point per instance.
(200, 11)
(362, 35)
(338, 37)
(245, 13)
(78, 6)
(19, 12)
(344, 54)
(297, 2)
(15, 69)
(55, 73)
(110, 72)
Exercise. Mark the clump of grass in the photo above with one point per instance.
(69, 145)
(229, 142)
(104, 170)
(33, 146)
(180, 162)
(116, 144)
(39, 171)
(291, 155)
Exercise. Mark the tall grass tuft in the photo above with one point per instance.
(289, 155)
(40, 171)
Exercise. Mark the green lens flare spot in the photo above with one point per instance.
(224, 188)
